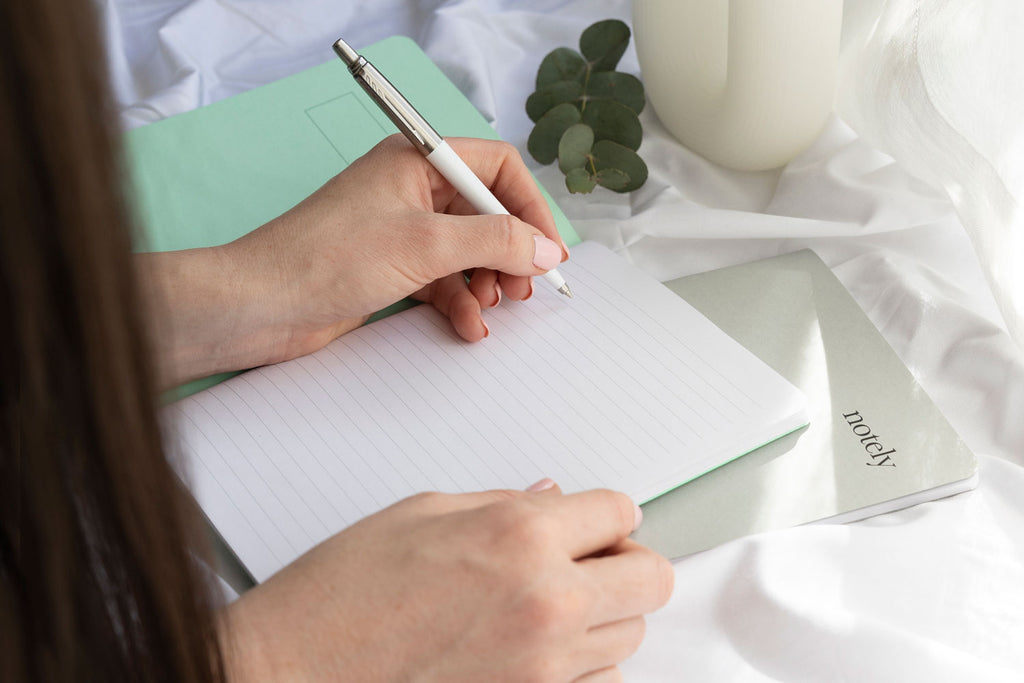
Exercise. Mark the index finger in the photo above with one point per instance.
(591, 521)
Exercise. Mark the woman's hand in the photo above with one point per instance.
(494, 586)
(387, 227)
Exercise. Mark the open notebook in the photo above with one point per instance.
(624, 386)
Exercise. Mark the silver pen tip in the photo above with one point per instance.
(345, 51)
(564, 289)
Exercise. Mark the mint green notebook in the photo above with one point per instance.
(211, 175)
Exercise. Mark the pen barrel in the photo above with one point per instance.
(465, 182)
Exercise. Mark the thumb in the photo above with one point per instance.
(500, 242)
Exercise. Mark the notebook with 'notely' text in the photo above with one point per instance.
(876, 442)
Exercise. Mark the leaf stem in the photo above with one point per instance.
(586, 82)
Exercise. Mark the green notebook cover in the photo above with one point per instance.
(211, 175)
(875, 442)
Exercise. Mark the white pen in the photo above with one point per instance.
(422, 135)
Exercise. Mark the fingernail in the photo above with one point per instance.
(546, 254)
(530, 293)
(542, 485)
(638, 517)
(497, 294)
(565, 250)
(487, 330)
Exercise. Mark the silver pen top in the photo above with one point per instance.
(420, 133)
(345, 51)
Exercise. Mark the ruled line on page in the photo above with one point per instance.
(242, 505)
(295, 501)
(637, 320)
(555, 426)
(307, 449)
(617, 371)
(510, 429)
(626, 343)
(460, 420)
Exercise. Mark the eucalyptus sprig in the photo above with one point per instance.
(586, 113)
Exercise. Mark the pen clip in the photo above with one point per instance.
(399, 110)
(405, 117)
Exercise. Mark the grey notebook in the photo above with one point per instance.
(876, 442)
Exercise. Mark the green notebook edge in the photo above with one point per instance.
(213, 174)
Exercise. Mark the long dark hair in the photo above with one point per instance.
(96, 579)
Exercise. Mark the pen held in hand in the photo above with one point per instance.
(423, 136)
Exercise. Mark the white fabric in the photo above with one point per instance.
(931, 593)
(934, 83)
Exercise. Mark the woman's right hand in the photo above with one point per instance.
(499, 585)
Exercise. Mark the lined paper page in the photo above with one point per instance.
(624, 386)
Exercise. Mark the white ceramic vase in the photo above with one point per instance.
(748, 84)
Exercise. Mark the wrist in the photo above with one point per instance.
(210, 311)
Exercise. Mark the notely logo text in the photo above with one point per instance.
(880, 457)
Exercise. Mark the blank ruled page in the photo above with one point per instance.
(624, 386)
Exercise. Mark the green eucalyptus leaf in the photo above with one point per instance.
(611, 155)
(586, 113)
(604, 43)
(544, 139)
(614, 121)
(540, 102)
(561, 64)
(613, 179)
(579, 181)
(574, 147)
(615, 85)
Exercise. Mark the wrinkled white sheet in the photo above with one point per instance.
(935, 592)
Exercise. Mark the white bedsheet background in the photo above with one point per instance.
(931, 593)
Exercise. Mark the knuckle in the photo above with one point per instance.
(629, 635)
(507, 150)
(507, 234)
(517, 535)
(546, 615)
(505, 495)
(526, 526)
(428, 501)
(574, 607)
(635, 636)
(389, 144)
(664, 578)
(622, 507)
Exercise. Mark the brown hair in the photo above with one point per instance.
(96, 581)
